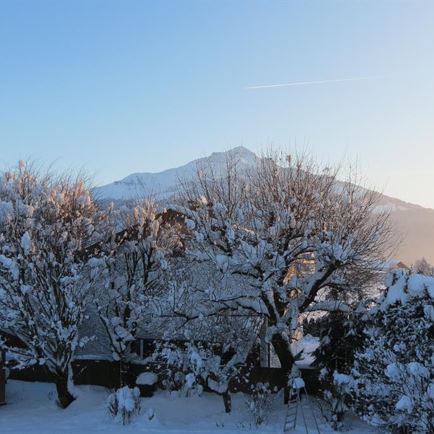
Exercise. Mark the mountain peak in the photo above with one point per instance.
(237, 152)
(241, 151)
(163, 184)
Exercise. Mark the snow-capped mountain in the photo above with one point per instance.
(164, 184)
(413, 224)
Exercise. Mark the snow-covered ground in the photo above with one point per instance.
(32, 409)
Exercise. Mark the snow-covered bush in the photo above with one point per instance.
(124, 404)
(182, 367)
(260, 402)
(194, 367)
(392, 382)
(147, 383)
(147, 379)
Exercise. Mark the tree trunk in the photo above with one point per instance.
(227, 401)
(125, 378)
(286, 361)
(64, 396)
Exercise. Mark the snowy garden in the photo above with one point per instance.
(261, 301)
(31, 408)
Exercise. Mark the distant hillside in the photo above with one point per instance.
(413, 224)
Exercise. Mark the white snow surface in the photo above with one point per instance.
(31, 409)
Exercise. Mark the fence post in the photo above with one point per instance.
(2, 378)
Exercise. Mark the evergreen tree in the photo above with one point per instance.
(392, 382)
(341, 336)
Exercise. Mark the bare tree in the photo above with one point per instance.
(45, 225)
(422, 266)
(136, 255)
(293, 233)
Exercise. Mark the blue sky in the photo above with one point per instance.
(117, 87)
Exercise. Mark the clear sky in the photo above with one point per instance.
(117, 87)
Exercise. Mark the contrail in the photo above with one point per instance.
(305, 83)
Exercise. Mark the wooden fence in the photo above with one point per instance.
(106, 373)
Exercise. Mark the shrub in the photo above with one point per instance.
(260, 402)
(124, 404)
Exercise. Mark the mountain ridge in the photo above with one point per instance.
(411, 222)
